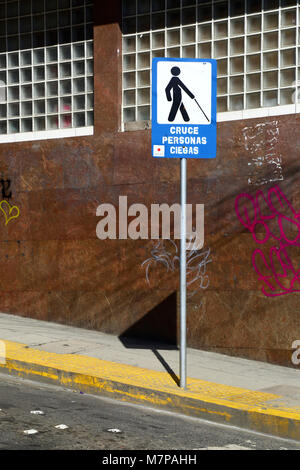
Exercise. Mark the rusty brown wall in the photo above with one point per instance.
(54, 268)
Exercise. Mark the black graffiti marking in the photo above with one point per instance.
(5, 187)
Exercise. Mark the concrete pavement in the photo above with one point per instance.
(245, 393)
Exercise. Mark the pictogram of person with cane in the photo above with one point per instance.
(176, 85)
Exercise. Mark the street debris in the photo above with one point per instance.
(30, 431)
(37, 412)
(62, 426)
(114, 430)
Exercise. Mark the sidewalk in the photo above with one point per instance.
(240, 392)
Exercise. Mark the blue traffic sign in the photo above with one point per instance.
(184, 108)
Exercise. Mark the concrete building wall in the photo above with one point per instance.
(55, 268)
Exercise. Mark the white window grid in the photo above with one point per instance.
(256, 44)
(46, 66)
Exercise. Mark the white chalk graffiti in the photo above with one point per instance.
(260, 141)
(196, 264)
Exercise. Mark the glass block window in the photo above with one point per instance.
(256, 44)
(46, 65)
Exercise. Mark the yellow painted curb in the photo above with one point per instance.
(263, 412)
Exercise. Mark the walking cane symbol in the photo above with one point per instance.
(201, 109)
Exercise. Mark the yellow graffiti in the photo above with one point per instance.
(7, 210)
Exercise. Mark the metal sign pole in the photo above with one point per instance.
(186, 79)
(183, 276)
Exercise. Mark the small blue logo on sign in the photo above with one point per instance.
(184, 108)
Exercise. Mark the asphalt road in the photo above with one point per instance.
(90, 418)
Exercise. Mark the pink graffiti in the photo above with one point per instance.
(272, 218)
